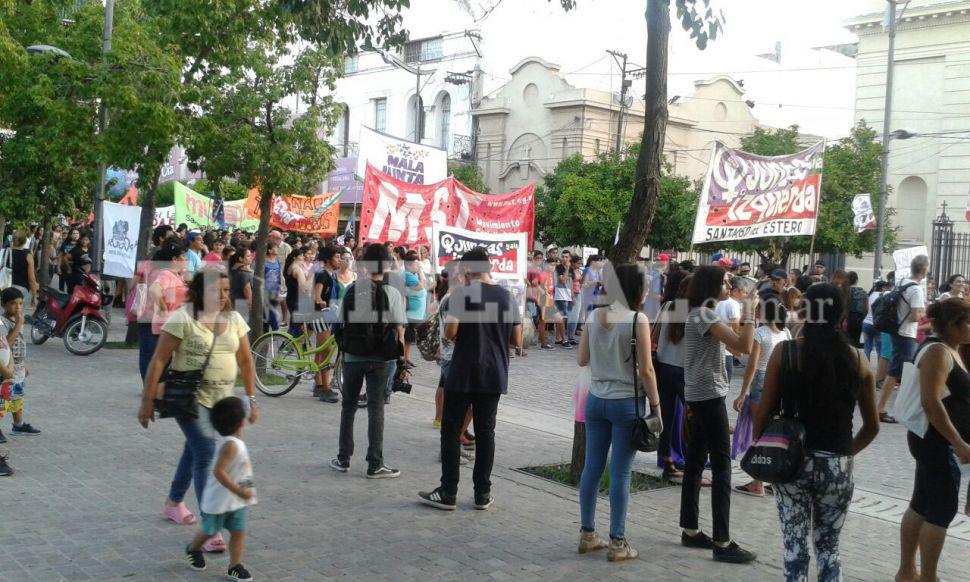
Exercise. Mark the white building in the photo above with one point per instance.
(382, 91)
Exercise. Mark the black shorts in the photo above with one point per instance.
(411, 331)
(936, 490)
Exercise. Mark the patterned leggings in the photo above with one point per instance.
(817, 500)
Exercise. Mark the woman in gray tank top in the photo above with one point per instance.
(611, 408)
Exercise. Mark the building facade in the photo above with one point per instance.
(931, 96)
(537, 119)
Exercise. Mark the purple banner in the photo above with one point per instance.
(343, 177)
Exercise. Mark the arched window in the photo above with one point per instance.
(414, 112)
(910, 207)
(444, 120)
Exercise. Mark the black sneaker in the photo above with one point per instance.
(329, 396)
(883, 417)
(338, 465)
(238, 573)
(383, 472)
(195, 558)
(698, 540)
(733, 554)
(362, 401)
(24, 429)
(3, 439)
(387, 399)
(484, 501)
(438, 499)
(5, 469)
(317, 390)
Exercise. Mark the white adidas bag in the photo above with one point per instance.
(908, 408)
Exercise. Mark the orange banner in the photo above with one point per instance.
(302, 214)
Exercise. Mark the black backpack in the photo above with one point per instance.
(366, 332)
(885, 310)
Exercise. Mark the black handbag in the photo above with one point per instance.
(179, 398)
(779, 453)
(646, 430)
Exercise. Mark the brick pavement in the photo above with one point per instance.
(84, 503)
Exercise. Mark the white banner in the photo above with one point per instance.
(508, 253)
(903, 258)
(403, 160)
(164, 215)
(120, 230)
(864, 219)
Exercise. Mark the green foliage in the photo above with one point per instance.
(851, 166)
(581, 203)
(164, 194)
(227, 189)
(469, 175)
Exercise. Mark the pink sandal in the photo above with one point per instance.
(180, 514)
(215, 544)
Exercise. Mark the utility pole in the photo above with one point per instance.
(886, 137)
(97, 244)
(418, 126)
(621, 59)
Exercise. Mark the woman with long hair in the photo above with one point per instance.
(166, 291)
(706, 342)
(944, 446)
(668, 335)
(821, 378)
(241, 281)
(298, 286)
(612, 408)
(206, 328)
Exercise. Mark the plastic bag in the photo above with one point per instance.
(528, 333)
(742, 431)
(581, 392)
(908, 408)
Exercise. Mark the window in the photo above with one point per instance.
(350, 65)
(414, 131)
(380, 114)
(419, 51)
(444, 125)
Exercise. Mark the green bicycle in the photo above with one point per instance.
(282, 361)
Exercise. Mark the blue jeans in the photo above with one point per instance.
(391, 371)
(871, 336)
(729, 366)
(196, 456)
(608, 423)
(147, 341)
(355, 375)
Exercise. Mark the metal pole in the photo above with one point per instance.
(417, 108)
(619, 120)
(886, 137)
(97, 249)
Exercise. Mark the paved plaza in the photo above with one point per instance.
(85, 501)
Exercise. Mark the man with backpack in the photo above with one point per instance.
(898, 313)
(371, 337)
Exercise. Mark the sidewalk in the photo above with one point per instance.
(85, 501)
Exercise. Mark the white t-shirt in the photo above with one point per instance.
(872, 299)
(216, 499)
(913, 298)
(728, 310)
(767, 339)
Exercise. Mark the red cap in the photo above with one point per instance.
(662, 258)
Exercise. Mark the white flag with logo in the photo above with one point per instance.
(120, 228)
(406, 161)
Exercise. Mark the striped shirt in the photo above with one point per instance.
(704, 375)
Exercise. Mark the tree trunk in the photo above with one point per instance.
(45, 253)
(579, 452)
(256, 311)
(646, 189)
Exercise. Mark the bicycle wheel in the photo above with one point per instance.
(337, 375)
(276, 357)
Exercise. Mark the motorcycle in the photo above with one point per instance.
(76, 317)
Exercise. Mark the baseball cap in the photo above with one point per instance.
(662, 258)
(735, 263)
(716, 257)
(193, 235)
(778, 274)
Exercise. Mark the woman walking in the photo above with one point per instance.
(939, 452)
(21, 263)
(821, 378)
(205, 329)
(611, 407)
(166, 292)
(706, 341)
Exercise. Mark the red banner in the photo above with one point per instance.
(403, 213)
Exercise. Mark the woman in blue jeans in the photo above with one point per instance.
(611, 407)
(206, 329)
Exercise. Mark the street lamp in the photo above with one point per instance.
(417, 72)
(42, 49)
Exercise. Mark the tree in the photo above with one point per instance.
(850, 167)
(242, 83)
(226, 189)
(581, 203)
(469, 175)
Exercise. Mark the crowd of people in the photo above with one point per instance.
(662, 339)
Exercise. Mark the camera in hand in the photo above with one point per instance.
(401, 380)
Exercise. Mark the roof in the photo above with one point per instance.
(539, 60)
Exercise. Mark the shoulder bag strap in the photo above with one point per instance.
(636, 379)
(212, 347)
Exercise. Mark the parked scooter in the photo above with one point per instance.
(76, 317)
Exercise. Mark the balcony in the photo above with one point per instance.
(461, 147)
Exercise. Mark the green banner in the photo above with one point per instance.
(195, 210)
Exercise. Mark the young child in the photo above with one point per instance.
(228, 491)
(6, 372)
(11, 326)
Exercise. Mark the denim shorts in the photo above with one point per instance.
(885, 346)
(445, 365)
(904, 348)
(231, 521)
(564, 307)
(757, 385)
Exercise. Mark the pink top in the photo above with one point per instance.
(173, 291)
(212, 257)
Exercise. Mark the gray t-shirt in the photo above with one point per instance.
(704, 375)
(668, 352)
(610, 361)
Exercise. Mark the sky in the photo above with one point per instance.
(811, 88)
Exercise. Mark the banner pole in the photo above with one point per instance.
(811, 251)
